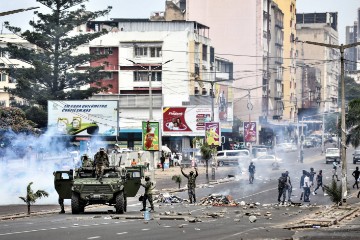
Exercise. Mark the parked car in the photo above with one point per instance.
(267, 159)
(308, 143)
(232, 157)
(332, 155)
(356, 156)
(285, 147)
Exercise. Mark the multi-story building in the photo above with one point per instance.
(276, 86)
(321, 27)
(288, 7)
(178, 58)
(7, 65)
(351, 54)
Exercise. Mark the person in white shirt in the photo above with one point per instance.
(334, 171)
(306, 187)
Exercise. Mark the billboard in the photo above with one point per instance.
(150, 136)
(212, 133)
(83, 117)
(250, 131)
(185, 121)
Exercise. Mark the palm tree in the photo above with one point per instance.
(206, 154)
(31, 197)
(177, 179)
(334, 191)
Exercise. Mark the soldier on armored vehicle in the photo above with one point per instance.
(84, 189)
(101, 160)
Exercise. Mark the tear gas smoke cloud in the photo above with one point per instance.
(26, 158)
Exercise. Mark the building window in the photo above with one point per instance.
(2, 77)
(204, 52)
(141, 76)
(108, 76)
(108, 51)
(155, 52)
(140, 51)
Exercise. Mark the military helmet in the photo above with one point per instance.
(147, 178)
(102, 149)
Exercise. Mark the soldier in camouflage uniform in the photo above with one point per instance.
(191, 184)
(149, 186)
(101, 159)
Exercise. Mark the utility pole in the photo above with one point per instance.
(343, 124)
(150, 70)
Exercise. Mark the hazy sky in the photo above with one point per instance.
(142, 9)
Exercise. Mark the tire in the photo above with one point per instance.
(75, 203)
(120, 203)
(125, 204)
(220, 163)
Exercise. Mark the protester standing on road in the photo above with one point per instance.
(356, 175)
(311, 176)
(302, 184)
(319, 183)
(334, 171)
(306, 187)
(191, 184)
(101, 159)
(251, 172)
(288, 186)
(149, 186)
(282, 188)
(162, 160)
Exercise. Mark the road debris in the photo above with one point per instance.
(252, 219)
(168, 198)
(218, 200)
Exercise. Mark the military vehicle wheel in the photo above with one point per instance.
(75, 203)
(125, 204)
(120, 203)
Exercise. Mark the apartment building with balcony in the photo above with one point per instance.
(321, 27)
(7, 65)
(178, 58)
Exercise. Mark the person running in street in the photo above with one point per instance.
(251, 172)
(282, 188)
(319, 183)
(191, 184)
(288, 186)
(162, 160)
(334, 171)
(148, 195)
(356, 175)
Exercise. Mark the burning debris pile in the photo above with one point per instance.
(218, 200)
(167, 198)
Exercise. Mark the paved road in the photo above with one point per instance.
(98, 224)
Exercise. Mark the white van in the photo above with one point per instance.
(232, 157)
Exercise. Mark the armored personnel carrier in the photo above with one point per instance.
(82, 187)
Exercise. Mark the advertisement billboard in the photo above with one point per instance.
(150, 136)
(185, 121)
(213, 133)
(250, 131)
(83, 117)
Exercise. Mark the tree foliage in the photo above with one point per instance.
(32, 196)
(334, 191)
(177, 179)
(14, 119)
(352, 90)
(353, 123)
(54, 73)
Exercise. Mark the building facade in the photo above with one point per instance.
(321, 27)
(351, 54)
(178, 58)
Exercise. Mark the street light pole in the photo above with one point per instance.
(150, 70)
(343, 124)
